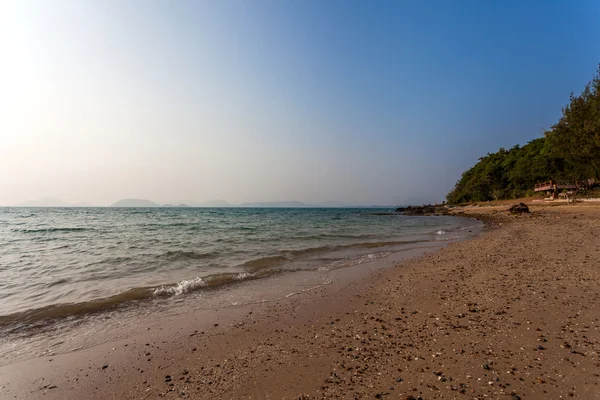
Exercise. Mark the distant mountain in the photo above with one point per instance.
(51, 202)
(135, 203)
(209, 203)
(277, 204)
(296, 204)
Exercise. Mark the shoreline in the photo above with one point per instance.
(375, 335)
(34, 338)
(175, 269)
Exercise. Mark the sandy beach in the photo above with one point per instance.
(512, 313)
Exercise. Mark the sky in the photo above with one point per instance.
(358, 102)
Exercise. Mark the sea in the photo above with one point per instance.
(65, 263)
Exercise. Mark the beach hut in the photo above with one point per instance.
(553, 188)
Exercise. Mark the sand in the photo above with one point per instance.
(512, 313)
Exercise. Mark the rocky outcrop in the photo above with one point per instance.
(423, 210)
(519, 208)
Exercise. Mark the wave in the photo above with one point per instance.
(265, 262)
(301, 254)
(363, 245)
(208, 282)
(180, 288)
(57, 282)
(170, 225)
(346, 236)
(60, 311)
(40, 316)
(47, 230)
(111, 261)
(171, 255)
(247, 228)
(186, 255)
(253, 269)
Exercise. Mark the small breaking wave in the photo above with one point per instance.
(40, 316)
(243, 276)
(210, 281)
(180, 288)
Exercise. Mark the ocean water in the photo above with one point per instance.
(62, 262)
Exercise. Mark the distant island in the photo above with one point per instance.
(277, 204)
(135, 203)
(209, 203)
(145, 203)
(569, 152)
(223, 203)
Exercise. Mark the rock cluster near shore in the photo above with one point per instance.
(424, 210)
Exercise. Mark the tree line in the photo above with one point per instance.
(569, 151)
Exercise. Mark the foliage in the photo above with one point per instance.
(576, 137)
(569, 151)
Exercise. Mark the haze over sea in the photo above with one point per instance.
(58, 262)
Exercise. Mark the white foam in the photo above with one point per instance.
(180, 288)
(242, 275)
(440, 232)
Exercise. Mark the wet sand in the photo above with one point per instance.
(513, 313)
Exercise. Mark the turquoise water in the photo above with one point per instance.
(55, 262)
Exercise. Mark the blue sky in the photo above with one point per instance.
(359, 102)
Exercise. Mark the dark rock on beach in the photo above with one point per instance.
(519, 208)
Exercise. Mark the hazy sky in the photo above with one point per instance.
(355, 101)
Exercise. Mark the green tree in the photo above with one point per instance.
(575, 138)
(569, 151)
